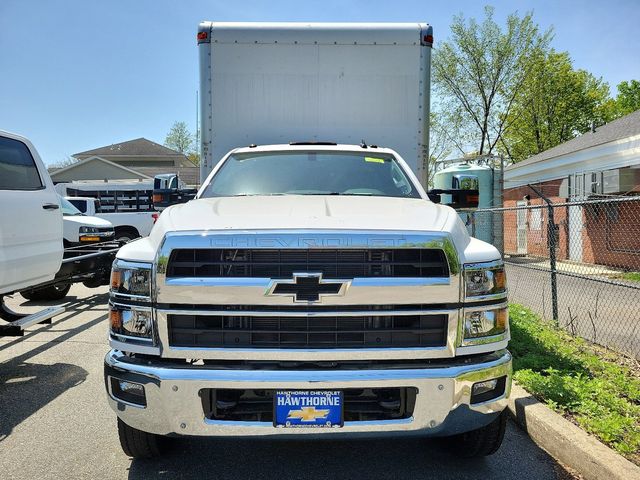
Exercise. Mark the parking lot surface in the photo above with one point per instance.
(55, 423)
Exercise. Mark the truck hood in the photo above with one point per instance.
(86, 221)
(305, 212)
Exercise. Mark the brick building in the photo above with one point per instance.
(603, 163)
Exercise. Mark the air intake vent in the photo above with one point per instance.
(198, 331)
(281, 263)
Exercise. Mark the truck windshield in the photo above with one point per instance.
(311, 173)
(68, 210)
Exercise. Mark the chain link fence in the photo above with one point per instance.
(575, 262)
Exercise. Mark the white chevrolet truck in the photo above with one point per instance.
(311, 287)
(31, 232)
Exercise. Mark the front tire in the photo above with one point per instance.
(96, 282)
(481, 442)
(136, 443)
(126, 234)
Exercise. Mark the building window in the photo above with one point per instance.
(535, 220)
(594, 184)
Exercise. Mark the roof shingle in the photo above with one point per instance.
(139, 146)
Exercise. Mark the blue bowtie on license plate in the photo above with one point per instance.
(311, 409)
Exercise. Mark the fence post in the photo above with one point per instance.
(551, 242)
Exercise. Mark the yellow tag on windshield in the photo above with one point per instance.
(374, 159)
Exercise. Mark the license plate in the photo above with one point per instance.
(310, 409)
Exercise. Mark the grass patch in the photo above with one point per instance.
(592, 388)
(628, 276)
(633, 276)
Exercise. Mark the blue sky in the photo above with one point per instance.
(80, 74)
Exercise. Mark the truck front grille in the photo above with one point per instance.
(282, 263)
(375, 331)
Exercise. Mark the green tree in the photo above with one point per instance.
(555, 104)
(628, 99)
(440, 145)
(481, 69)
(194, 157)
(179, 138)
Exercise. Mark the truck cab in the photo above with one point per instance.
(168, 190)
(83, 228)
(31, 246)
(31, 243)
(124, 225)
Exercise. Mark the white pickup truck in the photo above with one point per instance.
(83, 229)
(310, 287)
(127, 225)
(31, 248)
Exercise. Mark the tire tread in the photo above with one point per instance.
(136, 443)
(483, 441)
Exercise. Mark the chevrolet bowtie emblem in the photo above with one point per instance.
(308, 414)
(308, 287)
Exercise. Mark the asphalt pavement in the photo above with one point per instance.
(55, 423)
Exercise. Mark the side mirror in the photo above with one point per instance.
(459, 198)
(465, 199)
(434, 197)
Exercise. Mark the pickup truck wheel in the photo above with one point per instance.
(136, 443)
(96, 282)
(52, 292)
(125, 235)
(481, 442)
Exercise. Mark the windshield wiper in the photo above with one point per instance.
(255, 195)
(363, 194)
(333, 193)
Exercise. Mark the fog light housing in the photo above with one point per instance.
(133, 388)
(484, 387)
(129, 392)
(488, 390)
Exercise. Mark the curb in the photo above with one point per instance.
(566, 442)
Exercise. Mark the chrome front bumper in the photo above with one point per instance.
(174, 406)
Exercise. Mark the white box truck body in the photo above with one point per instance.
(274, 83)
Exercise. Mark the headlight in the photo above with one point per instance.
(131, 279)
(480, 324)
(484, 279)
(131, 322)
(88, 229)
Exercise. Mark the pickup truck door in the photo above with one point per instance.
(30, 217)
